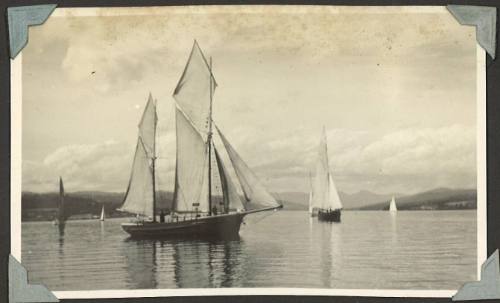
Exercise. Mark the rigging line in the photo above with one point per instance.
(265, 215)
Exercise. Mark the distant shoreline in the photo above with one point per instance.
(43, 206)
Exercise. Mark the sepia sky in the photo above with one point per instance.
(395, 90)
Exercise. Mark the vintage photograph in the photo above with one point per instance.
(250, 147)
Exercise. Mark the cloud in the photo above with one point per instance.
(83, 167)
(407, 160)
(386, 93)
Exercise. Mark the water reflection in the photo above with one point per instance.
(182, 263)
(394, 227)
(60, 239)
(367, 250)
(140, 257)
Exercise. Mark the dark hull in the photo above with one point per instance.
(218, 227)
(329, 215)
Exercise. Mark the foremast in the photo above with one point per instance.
(153, 162)
(209, 143)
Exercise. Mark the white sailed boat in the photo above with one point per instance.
(313, 211)
(102, 214)
(195, 212)
(392, 206)
(324, 193)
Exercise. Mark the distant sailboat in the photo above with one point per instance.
(102, 214)
(392, 206)
(61, 213)
(324, 193)
(313, 211)
(194, 213)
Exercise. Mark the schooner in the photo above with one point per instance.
(195, 211)
(324, 195)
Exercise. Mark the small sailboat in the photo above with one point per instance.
(324, 193)
(102, 213)
(194, 212)
(61, 217)
(392, 206)
(313, 211)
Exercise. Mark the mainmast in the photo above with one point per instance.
(209, 142)
(327, 164)
(153, 164)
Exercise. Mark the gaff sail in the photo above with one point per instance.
(191, 177)
(139, 198)
(255, 193)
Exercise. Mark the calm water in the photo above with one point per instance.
(411, 250)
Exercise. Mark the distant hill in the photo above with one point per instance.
(437, 199)
(300, 201)
(43, 206)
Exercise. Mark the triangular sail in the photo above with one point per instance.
(334, 198)
(392, 206)
(321, 182)
(325, 193)
(194, 91)
(310, 195)
(231, 198)
(193, 96)
(61, 213)
(255, 193)
(139, 198)
(310, 202)
(102, 214)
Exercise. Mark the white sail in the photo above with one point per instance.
(310, 202)
(194, 91)
(191, 178)
(392, 206)
(230, 194)
(102, 213)
(325, 193)
(334, 198)
(147, 127)
(255, 193)
(193, 96)
(321, 180)
(139, 197)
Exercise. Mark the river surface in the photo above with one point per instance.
(369, 249)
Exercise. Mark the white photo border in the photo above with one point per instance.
(16, 178)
